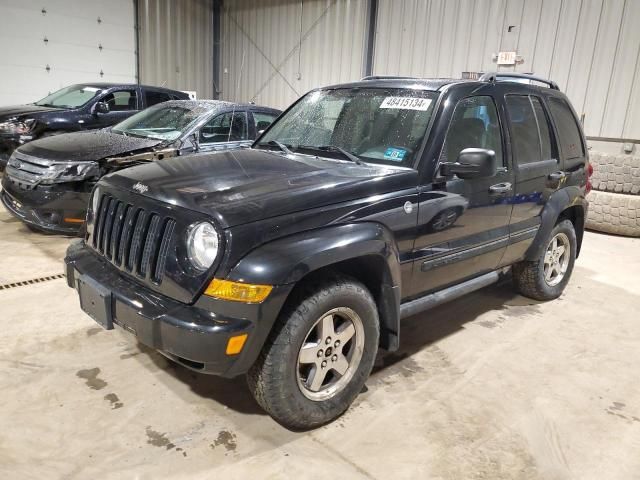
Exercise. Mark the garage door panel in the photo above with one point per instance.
(71, 52)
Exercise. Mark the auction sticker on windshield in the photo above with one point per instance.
(406, 103)
(395, 154)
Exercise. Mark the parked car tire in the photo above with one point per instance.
(546, 277)
(319, 354)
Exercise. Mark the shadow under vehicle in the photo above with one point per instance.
(47, 182)
(75, 108)
(365, 203)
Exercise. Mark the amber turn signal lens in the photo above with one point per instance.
(235, 344)
(73, 220)
(237, 292)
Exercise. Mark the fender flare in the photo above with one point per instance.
(288, 260)
(557, 203)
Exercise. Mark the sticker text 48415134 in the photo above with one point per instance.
(406, 103)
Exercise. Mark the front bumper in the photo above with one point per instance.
(45, 207)
(195, 335)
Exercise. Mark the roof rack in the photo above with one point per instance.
(494, 76)
(387, 77)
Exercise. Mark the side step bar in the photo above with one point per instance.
(434, 299)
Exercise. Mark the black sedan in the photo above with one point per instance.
(47, 182)
(75, 108)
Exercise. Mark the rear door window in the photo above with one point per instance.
(263, 120)
(530, 137)
(570, 139)
(152, 97)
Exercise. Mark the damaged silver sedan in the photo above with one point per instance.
(47, 182)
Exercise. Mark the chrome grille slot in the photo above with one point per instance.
(150, 242)
(136, 240)
(163, 249)
(132, 238)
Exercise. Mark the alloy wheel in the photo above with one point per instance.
(556, 259)
(330, 354)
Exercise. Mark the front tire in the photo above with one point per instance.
(319, 354)
(547, 277)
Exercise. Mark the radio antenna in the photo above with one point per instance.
(235, 99)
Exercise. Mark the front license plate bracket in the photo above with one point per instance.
(95, 301)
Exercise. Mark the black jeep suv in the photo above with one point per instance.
(363, 204)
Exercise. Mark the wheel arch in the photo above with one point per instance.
(364, 251)
(566, 204)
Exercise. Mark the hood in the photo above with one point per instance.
(88, 145)
(29, 111)
(243, 186)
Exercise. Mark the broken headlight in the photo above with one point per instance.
(16, 127)
(69, 172)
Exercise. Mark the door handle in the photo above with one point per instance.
(557, 176)
(500, 188)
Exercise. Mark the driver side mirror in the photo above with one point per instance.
(101, 107)
(195, 139)
(471, 163)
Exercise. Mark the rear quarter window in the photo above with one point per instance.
(152, 97)
(569, 139)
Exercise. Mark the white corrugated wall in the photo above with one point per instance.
(273, 51)
(590, 47)
(176, 44)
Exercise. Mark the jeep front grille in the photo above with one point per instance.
(132, 238)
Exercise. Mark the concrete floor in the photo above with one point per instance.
(490, 386)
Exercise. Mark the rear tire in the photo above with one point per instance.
(546, 277)
(319, 354)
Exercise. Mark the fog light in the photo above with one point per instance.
(235, 344)
(238, 292)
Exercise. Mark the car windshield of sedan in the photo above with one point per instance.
(70, 97)
(161, 122)
(377, 125)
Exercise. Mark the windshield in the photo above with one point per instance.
(162, 122)
(376, 125)
(71, 97)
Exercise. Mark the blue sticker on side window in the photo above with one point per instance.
(395, 154)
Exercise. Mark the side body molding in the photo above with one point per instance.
(287, 260)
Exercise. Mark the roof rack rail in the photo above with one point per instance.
(493, 77)
(387, 77)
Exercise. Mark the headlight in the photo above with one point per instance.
(202, 245)
(69, 172)
(13, 126)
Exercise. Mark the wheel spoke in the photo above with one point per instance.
(316, 377)
(345, 333)
(548, 272)
(341, 365)
(548, 258)
(560, 250)
(309, 353)
(326, 328)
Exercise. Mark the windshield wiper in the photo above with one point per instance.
(50, 105)
(281, 146)
(332, 148)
